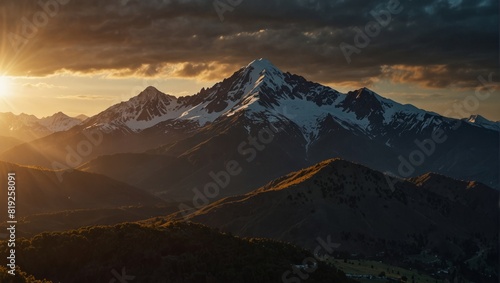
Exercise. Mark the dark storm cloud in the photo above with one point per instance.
(432, 43)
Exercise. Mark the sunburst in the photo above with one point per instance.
(4, 86)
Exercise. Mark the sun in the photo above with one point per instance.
(4, 86)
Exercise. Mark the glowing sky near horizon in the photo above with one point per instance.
(85, 56)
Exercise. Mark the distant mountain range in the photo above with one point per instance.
(39, 191)
(17, 129)
(271, 123)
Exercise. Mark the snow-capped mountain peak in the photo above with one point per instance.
(152, 93)
(145, 110)
(260, 73)
(264, 94)
(261, 66)
(477, 119)
(366, 93)
(59, 122)
(29, 127)
(480, 121)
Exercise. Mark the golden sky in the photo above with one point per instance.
(81, 57)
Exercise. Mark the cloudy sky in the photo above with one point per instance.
(83, 56)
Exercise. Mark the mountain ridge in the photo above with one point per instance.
(27, 127)
(480, 121)
(313, 123)
(40, 191)
(364, 213)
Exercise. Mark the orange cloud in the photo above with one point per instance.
(431, 76)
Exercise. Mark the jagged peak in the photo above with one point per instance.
(25, 115)
(262, 68)
(364, 102)
(151, 93)
(481, 121)
(364, 93)
(477, 118)
(262, 64)
(58, 114)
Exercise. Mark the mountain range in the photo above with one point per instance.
(271, 123)
(17, 129)
(263, 153)
(361, 213)
(39, 191)
(361, 210)
(480, 121)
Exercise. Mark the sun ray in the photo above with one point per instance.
(4, 86)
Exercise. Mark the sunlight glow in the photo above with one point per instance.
(4, 86)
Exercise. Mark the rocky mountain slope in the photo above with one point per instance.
(271, 123)
(365, 212)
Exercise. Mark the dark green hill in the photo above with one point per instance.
(168, 252)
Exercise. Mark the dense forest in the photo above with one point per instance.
(163, 252)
